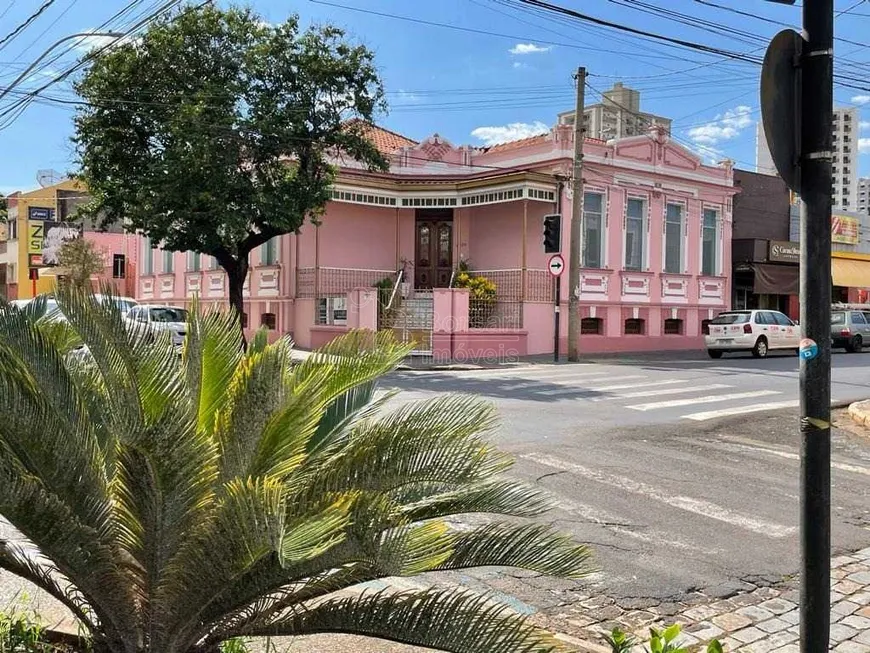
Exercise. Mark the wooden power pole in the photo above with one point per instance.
(574, 255)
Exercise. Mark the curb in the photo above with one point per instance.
(859, 411)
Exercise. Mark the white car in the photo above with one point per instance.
(758, 331)
(124, 304)
(160, 318)
(52, 310)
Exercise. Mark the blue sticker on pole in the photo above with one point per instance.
(809, 349)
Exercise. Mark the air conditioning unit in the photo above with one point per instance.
(332, 311)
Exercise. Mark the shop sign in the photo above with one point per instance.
(40, 213)
(784, 252)
(844, 230)
(35, 236)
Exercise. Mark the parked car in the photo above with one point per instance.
(52, 310)
(850, 328)
(160, 319)
(758, 331)
(124, 304)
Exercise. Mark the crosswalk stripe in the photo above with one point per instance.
(523, 371)
(740, 410)
(688, 504)
(618, 525)
(666, 391)
(742, 443)
(708, 399)
(591, 388)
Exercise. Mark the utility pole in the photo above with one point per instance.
(817, 104)
(574, 255)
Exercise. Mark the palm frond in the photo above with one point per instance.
(446, 620)
(527, 546)
(435, 440)
(212, 351)
(504, 497)
(355, 361)
(46, 577)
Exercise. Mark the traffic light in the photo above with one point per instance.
(552, 234)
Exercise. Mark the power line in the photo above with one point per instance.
(23, 26)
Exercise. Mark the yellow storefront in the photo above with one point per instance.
(35, 208)
(850, 275)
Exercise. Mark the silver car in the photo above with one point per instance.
(160, 319)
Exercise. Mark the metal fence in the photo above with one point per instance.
(411, 319)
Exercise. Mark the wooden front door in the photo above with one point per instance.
(434, 251)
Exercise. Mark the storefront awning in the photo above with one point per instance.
(850, 273)
(776, 279)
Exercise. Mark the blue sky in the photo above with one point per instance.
(499, 71)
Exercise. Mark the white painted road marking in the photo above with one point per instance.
(740, 410)
(666, 391)
(696, 506)
(593, 388)
(742, 443)
(618, 525)
(709, 399)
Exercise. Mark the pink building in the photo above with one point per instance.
(656, 250)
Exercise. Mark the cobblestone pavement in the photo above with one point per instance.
(757, 619)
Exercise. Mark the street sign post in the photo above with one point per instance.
(556, 266)
(797, 101)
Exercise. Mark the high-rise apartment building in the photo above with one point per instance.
(864, 195)
(617, 115)
(844, 184)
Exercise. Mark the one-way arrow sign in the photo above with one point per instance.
(556, 265)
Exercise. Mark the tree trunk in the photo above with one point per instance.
(236, 275)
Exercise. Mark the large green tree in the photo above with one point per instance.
(213, 132)
(171, 505)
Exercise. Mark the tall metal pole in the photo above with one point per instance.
(576, 222)
(815, 287)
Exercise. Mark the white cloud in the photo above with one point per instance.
(520, 64)
(860, 99)
(528, 48)
(87, 43)
(864, 124)
(864, 145)
(511, 132)
(723, 127)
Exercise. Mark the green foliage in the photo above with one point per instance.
(179, 503)
(213, 131)
(22, 633)
(235, 645)
(619, 641)
(483, 295)
(82, 260)
(661, 641)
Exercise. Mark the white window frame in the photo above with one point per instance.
(644, 255)
(147, 257)
(683, 235)
(717, 241)
(168, 262)
(267, 248)
(603, 239)
(194, 261)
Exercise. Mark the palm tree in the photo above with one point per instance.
(173, 503)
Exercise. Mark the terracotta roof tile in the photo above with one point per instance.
(522, 142)
(385, 140)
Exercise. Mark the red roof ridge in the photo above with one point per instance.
(386, 140)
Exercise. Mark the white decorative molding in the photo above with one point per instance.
(711, 291)
(146, 287)
(675, 289)
(215, 286)
(167, 287)
(593, 286)
(267, 283)
(194, 284)
(635, 288)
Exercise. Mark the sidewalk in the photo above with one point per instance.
(756, 620)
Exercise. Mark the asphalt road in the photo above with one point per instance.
(681, 475)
